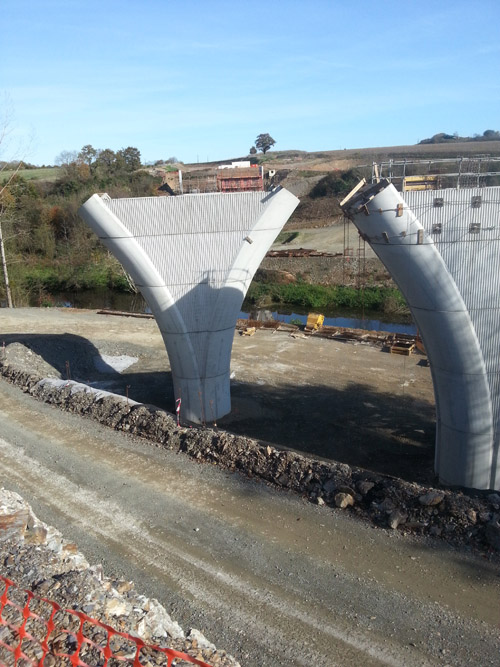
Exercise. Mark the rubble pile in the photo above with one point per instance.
(38, 558)
(460, 518)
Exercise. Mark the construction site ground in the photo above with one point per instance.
(350, 402)
(265, 574)
(331, 238)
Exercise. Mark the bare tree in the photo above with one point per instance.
(5, 130)
(3, 259)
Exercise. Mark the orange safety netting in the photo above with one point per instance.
(37, 631)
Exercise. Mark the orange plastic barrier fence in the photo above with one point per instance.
(37, 631)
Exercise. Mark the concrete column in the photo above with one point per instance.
(193, 258)
(465, 427)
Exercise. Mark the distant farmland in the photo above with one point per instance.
(41, 174)
(327, 160)
(320, 161)
(367, 155)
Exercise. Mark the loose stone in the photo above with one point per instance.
(396, 518)
(431, 498)
(344, 500)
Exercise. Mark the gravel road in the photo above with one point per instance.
(327, 239)
(268, 577)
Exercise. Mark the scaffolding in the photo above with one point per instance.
(434, 174)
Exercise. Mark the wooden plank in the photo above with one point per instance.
(353, 191)
(124, 313)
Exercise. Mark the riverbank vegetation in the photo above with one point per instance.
(320, 297)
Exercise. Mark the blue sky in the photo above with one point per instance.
(200, 79)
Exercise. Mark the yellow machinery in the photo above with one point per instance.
(314, 321)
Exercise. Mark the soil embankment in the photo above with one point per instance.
(351, 262)
(344, 271)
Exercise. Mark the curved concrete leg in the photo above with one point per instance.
(193, 258)
(465, 426)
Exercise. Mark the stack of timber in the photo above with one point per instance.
(400, 344)
(347, 335)
(275, 325)
(382, 339)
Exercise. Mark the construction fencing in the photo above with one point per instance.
(37, 631)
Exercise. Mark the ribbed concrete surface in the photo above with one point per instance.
(193, 258)
(452, 284)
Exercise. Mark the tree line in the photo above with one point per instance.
(47, 246)
(443, 138)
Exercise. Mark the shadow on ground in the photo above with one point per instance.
(76, 358)
(382, 432)
(389, 434)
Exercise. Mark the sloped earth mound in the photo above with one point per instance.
(470, 519)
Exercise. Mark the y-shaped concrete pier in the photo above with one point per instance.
(442, 248)
(193, 258)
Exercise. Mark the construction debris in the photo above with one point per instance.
(123, 313)
(382, 339)
(400, 344)
(302, 252)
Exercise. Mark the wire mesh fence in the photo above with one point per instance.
(37, 631)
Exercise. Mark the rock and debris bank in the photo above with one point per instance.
(38, 558)
(472, 519)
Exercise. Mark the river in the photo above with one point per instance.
(134, 303)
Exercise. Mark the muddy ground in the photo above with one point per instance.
(272, 578)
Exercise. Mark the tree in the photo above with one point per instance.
(253, 150)
(66, 158)
(491, 134)
(335, 184)
(106, 159)
(88, 155)
(264, 142)
(131, 158)
(3, 258)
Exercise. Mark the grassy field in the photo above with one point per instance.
(41, 174)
